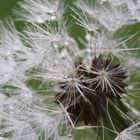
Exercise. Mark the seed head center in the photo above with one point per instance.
(72, 82)
(103, 74)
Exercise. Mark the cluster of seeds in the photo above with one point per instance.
(99, 85)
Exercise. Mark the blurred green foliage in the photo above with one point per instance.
(6, 7)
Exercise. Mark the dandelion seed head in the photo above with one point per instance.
(103, 78)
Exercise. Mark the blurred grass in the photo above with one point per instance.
(6, 7)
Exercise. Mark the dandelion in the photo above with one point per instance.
(51, 86)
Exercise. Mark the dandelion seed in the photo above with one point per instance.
(6, 71)
(111, 17)
(9, 37)
(114, 2)
(104, 43)
(131, 133)
(39, 11)
(134, 7)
